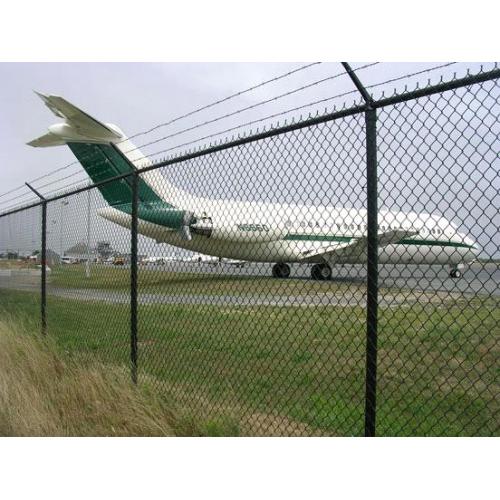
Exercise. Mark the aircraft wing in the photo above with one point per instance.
(78, 118)
(356, 248)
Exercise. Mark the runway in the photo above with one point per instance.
(399, 286)
(477, 279)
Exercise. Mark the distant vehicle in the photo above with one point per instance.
(118, 261)
(281, 233)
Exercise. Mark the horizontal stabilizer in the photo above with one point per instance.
(78, 126)
(46, 141)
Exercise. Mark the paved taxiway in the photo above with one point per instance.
(400, 286)
(483, 279)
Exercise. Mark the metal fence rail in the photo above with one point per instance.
(392, 344)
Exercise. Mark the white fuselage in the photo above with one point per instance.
(294, 229)
(258, 231)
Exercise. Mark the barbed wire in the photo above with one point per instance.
(410, 75)
(34, 181)
(297, 108)
(74, 163)
(225, 99)
(191, 113)
(66, 186)
(259, 120)
(19, 197)
(12, 190)
(272, 116)
(227, 130)
(237, 112)
(247, 108)
(59, 180)
(21, 205)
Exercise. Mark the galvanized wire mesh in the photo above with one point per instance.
(225, 323)
(20, 270)
(439, 155)
(88, 286)
(251, 287)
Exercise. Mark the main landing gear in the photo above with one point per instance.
(281, 270)
(321, 272)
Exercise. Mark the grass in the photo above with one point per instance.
(106, 277)
(43, 393)
(16, 264)
(295, 370)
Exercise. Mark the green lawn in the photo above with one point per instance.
(298, 368)
(150, 280)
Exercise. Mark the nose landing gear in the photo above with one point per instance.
(455, 273)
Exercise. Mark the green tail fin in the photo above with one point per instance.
(104, 161)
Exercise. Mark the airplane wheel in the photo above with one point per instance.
(315, 275)
(321, 272)
(455, 273)
(281, 270)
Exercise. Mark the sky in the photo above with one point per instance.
(139, 96)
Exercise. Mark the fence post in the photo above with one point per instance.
(372, 273)
(43, 261)
(371, 255)
(133, 278)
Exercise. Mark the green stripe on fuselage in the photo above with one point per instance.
(318, 237)
(347, 239)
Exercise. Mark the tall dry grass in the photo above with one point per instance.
(43, 395)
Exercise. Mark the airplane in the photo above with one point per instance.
(254, 231)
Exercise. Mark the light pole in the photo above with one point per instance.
(63, 204)
(87, 264)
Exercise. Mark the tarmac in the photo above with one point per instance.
(399, 286)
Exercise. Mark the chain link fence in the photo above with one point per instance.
(353, 288)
